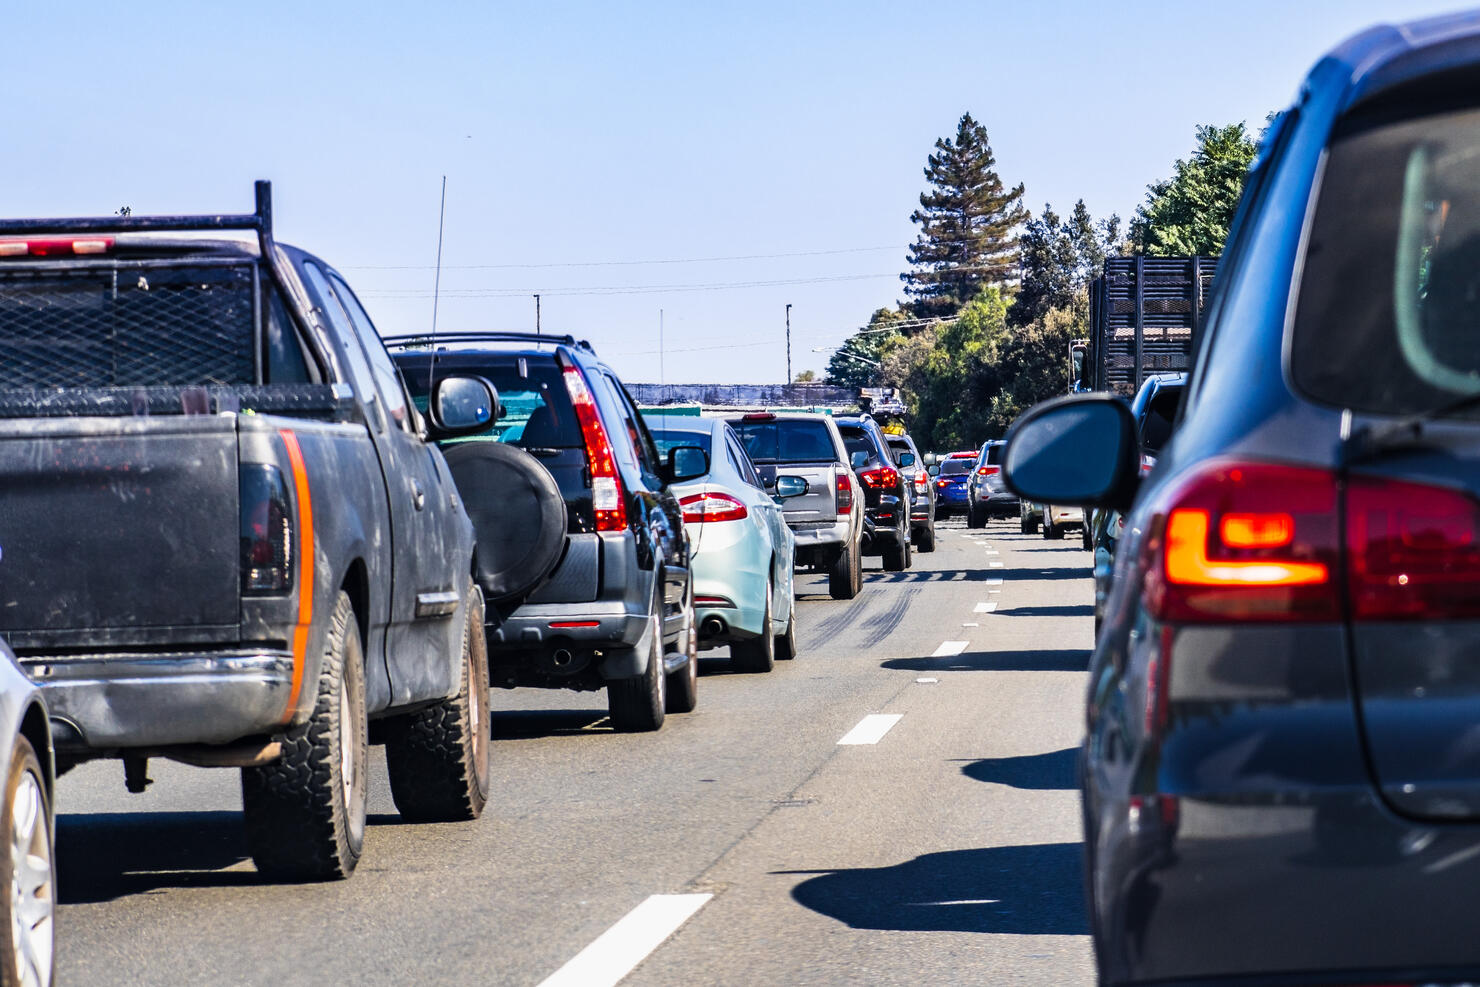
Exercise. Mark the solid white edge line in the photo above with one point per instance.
(949, 648)
(870, 729)
(617, 951)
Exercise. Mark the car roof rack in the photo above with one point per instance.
(417, 340)
(259, 220)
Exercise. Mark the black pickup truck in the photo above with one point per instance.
(224, 538)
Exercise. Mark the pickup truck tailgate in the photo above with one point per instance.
(819, 503)
(111, 529)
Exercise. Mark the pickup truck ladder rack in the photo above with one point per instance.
(421, 340)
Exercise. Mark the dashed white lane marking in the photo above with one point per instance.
(971, 625)
(993, 582)
(994, 592)
(986, 607)
(995, 565)
(617, 951)
(993, 551)
(927, 681)
(948, 649)
(871, 728)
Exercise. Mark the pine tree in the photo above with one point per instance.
(1060, 257)
(968, 221)
(1190, 212)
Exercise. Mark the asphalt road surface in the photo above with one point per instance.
(895, 806)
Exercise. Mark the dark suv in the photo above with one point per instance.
(886, 492)
(922, 491)
(986, 492)
(1281, 779)
(581, 550)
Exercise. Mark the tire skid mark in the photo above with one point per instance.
(839, 622)
(881, 625)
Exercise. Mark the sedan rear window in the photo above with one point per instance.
(534, 406)
(1388, 318)
(954, 467)
(669, 438)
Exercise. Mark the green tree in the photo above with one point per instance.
(1060, 257)
(968, 222)
(805, 377)
(856, 362)
(1190, 212)
(1034, 365)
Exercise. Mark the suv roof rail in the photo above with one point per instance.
(422, 339)
(259, 220)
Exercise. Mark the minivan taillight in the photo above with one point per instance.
(607, 499)
(1413, 551)
(880, 477)
(1246, 542)
(844, 487)
(266, 531)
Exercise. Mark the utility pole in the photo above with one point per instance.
(537, 315)
(662, 378)
(788, 342)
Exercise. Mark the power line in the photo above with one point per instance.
(630, 289)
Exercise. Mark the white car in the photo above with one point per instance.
(1058, 519)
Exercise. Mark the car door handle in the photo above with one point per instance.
(418, 496)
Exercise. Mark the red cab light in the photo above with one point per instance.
(607, 498)
(56, 246)
(758, 416)
(712, 506)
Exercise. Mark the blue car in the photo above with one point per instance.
(950, 484)
(1281, 773)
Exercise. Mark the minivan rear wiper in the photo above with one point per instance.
(1371, 441)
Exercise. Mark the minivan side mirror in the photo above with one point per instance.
(858, 460)
(462, 405)
(1080, 449)
(906, 459)
(686, 463)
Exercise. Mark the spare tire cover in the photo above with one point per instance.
(518, 515)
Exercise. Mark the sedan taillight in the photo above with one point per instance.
(703, 507)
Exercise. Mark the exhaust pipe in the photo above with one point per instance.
(561, 658)
(713, 627)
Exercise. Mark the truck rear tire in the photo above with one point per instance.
(896, 555)
(845, 579)
(305, 812)
(637, 705)
(927, 538)
(975, 517)
(438, 757)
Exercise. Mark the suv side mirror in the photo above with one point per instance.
(933, 469)
(858, 460)
(462, 405)
(790, 486)
(1080, 449)
(906, 459)
(686, 463)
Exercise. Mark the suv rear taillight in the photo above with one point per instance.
(699, 508)
(988, 470)
(1246, 542)
(266, 531)
(607, 499)
(844, 487)
(880, 477)
(1413, 551)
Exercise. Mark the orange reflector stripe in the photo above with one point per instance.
(1256, 530)
(305, 566)
(1187, 560)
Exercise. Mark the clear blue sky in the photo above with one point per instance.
(584, 141)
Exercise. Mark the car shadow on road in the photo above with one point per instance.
(106, 855)
(949, 575)
(1048, 660)
(1016, 890)
(1074, 610)
(1039, 772)
(525, 724)
(1055, 572)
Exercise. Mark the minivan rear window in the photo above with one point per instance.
(1388, 317)
(786, 441)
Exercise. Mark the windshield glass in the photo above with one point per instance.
(669, 438)
(534, 407)
(1388, 318)
(786, 441)
(956, 467)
